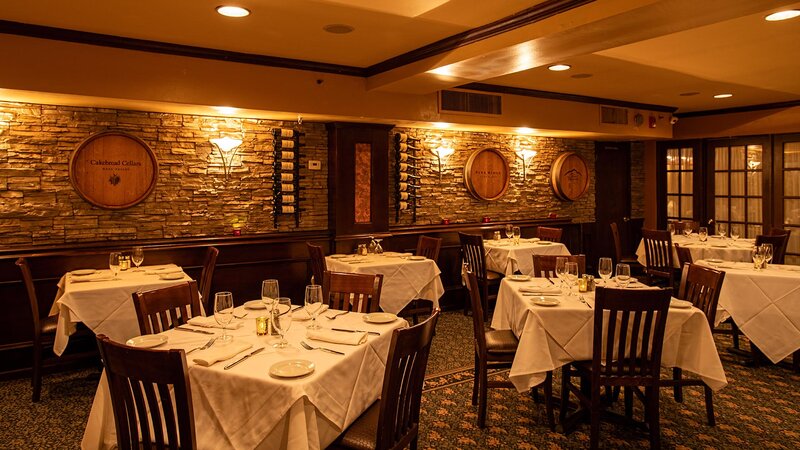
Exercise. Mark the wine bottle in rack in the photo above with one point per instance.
(287, 143)
(286, 187)
(404, 147)
(287, 154)
(404, 167)
(403, 137)
(287, 198)
(287, 209)
(408, 195)
(405, 157)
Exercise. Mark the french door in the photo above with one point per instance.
(787, 191)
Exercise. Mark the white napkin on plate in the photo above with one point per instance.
(337, 337)
(302, 313)
(544, 290)
(163, 270)
(93, 277)
(211, 322)
(219, 353)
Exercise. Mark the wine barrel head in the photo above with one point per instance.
(569, 176)
(487, 175)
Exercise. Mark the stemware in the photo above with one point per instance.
(757, 253)
(561, 269)
(671, 228)
(623, 275)
(604, 269)
(378, 248)
(767, 250)
(282, 319)
(571, 275)
(509, 231)
(702, 232)
(223, 313)
(517, 233)
(313, 303)
(721, 230)
(269, 292)
(687, 231)
(137, 257)
(114, 262)
(734, 233)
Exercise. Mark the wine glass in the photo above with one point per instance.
(721, 230)
(282, 319)
(509, 231)
(378, 248)
(671, 228)
(767, 250)
(604, 268)
(734, 233)
(561, 269)
(623, 275)
(113, 263)
(757, 254)
(223, 313)
(137, 257)
(571, 275)
(702, 232)
(516, 232)
(313, 304)
(687, 231)
(269, 292)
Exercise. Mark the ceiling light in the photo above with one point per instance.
(560, 67)
(233, 11)
(525, 130)
(338, 28)
(226, 109)
(441, 125)
(783, 15)
(723, 96)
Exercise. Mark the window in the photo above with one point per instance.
(790, 149)
(680, 186)
(738, 188)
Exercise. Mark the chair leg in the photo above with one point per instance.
(482, 395)
(565, 379)
(735, 334)
(628, 402)
(37, 372)
(413, 444)
(709, 406)
(594, 427)
(677, 375)
(548, 400)
(651, 394)
(485, 301)
(475, 381)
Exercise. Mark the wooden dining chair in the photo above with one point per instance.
(162, 309)
(392, 422)
(684, 255)
(619, 250)
(658, 256)
(544, 266)
(701, 286)
(207, 275)
(429, 248)
(496, 349)
(352, 291)
(474, 259)
(549, 234)
(626, 352)
(779, 243)
(150, 394)
(318, 265)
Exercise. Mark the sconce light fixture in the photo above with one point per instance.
(526, 154)
(442, 152)
(227, 150)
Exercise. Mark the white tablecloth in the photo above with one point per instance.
(106, 307)
(504, 257)
(245, 408)
(764, 304)
(714, 247)
(550, 337)
(403, 279)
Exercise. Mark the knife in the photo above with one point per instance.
(258, 350)
(193, 330)
(548, 279)
(356, 331)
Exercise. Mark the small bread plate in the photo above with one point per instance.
(719, 245)
(255, 304)
(534, 240)
(171, 276)
(292, 368)
(519, 277)
(682, 304)
(338, 256)
(83, 272)
(416, 258)
(379, 317)
(546, 301)
(714, 260)
(544, 242)
(147, 341)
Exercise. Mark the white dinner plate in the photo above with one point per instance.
(416, 258)
(292, 368)
(255, 304)
(338, 256)
(534, 240)
(719, 245)
(683, 304)
(714, 260)
(519, 277)
(546, 301)
(379, 317)
(171, 276)
(147, 341)
(82, 272)
(544, 242)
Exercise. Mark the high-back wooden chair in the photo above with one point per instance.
(658, 254)
(619, 249)
(150, 396)
(207, 275)
(684, 255)
(318, 265)
(166, 308)
(429, 247)
(626, 351)
(779, 243)
(474, 259)
(393, 421)
(549, 234)
(352, 291)
(686, 224)
(544, 266)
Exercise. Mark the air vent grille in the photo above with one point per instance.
(469, 102)
(614, 116)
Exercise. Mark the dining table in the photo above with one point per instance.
(405, 277)
(555, 328)
(764, 304)
(104, 302)
(507, 257)
(258, 405)
(714, 247)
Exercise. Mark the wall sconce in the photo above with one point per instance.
(526, 154)
(227, 150)
(442, 152)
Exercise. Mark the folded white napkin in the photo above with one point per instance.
(337, 337)
(219, 353)
(163, 270)
(302, 313)
(541, 289)
(93, 277)
(211, 322)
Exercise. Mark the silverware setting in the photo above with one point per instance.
(333, 316)
(583, 300)
(182, 328)
(548, 279)
(258, 350)
(356, 331)
(240, 317)
(308, 347)
(205, 346)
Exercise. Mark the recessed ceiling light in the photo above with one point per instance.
(338, 28)
(560, 67)
(578, 76)
(688, 94)
(723, 96)
(233, 11)
(783, 15)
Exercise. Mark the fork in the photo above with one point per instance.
(308, 347)
(333, 316)
(207, 345)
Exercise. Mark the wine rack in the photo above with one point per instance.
(407, 176)
(286, 174)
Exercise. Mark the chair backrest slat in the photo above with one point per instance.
(207, 275)
(429, 247)
(318, 264)
(618, 252)
(549, 234)
(166, 308)
(545, 265)
(473, 254)
(702, 285)
(352, 291)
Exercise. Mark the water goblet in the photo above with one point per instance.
(721, 230)
(702, 233)
(137, 257)
(767, 250)
(623, 275)
(671, 228)
(516, 233)
(687, 231)
(378, 248)
(757, 253)
(561, 270)
(734, 233)
(604, 268)
(114, 259)
(571, 275)
(269, 292)
(282, 319)
(509, 231)
(223, 314)
(313, 304)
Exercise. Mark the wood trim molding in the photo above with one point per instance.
(740, 109)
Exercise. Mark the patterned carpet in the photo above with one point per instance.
(758, 408)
